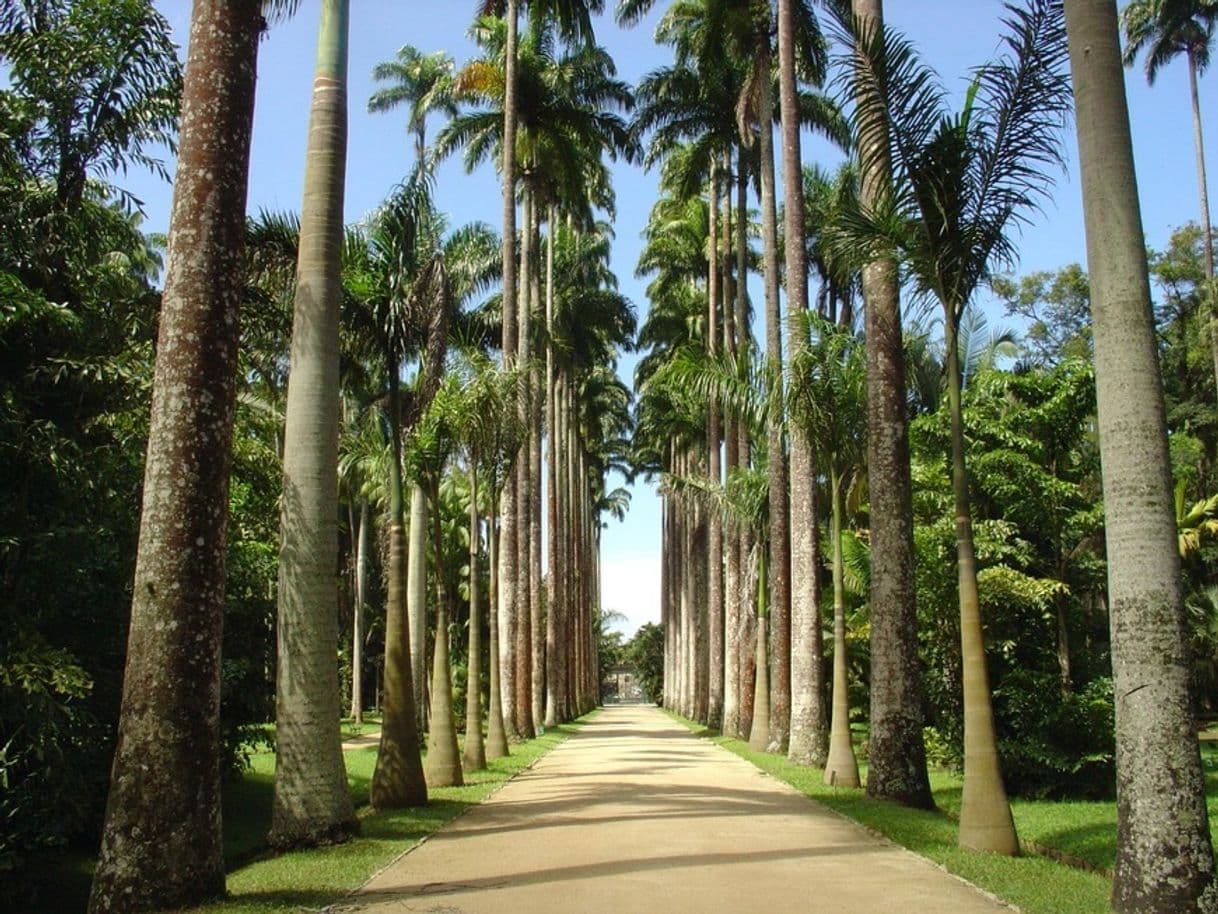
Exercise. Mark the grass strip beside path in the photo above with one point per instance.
(1035, 884)
(321, 876)
(260, 883)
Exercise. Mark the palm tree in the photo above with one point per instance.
(422, 82)
(574, 21)
(828, 400)
(489, 410)
(1165, 29)
(591, 321)
(807, 733)
(312, 802)
(410, 283)
(161, 842)
(1164, 856)
(390, 279)
(897, 768)
(432, 444)
(960, 182)
(361, 465)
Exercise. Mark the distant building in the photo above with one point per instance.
(620, 685)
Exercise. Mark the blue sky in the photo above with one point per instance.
(954, 35)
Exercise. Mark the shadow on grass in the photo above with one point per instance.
(1087, 847)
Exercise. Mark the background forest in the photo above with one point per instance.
(427, 417)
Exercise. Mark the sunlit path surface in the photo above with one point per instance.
(635, 815)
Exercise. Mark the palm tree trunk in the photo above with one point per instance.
(897, 754)
(537, 623)
(809, 732)
(841, 767)
(442, 765)
(554, 571)
(689, 607)
(666, 600)
(776, 456)
(759, 732)
(416, 600)
(312, 803)
(747, 609)
(496, 735)
(474, 755)
(1164, 859)
(1207, 230)
(508, 548)
(731, 458)
(397, 780)
(161, 841)
(985, 814)
(699, 550)
(714, 557)
(574, 690)
(748, 633)
(523, 701)
(357, 624)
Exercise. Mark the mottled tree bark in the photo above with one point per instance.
(161, 842)
(537, 625)
(473, 756)
(522, 703)
(496, 734)
(554, 568)
(730, 545)
(714, 524)
(508, 548)
(779, 622)
(897, 754)
(1164, 858)
(809, 731)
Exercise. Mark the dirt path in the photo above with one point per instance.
(635, 815)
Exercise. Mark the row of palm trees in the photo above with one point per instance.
(932, 193)
(935, 192)
(368, 303)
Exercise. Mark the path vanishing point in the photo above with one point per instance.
(636, 815)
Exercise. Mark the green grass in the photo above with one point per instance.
(262, 883)
(349, 729)
(1036, 884)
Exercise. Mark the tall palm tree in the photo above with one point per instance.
(808, 730)
(161, 842)
(960, 182)
(432, 444)
(1164, 29)
(488, 417)
(390, 275)
(897, 768)
(1164, 854)
(422, 82)
(828, 400)
(312, 803)
(433, 279)
(573, 18)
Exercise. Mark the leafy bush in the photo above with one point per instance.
(1054, 745)
(45, 797)
(645, 652)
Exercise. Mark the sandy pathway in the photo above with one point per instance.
(635, 815)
